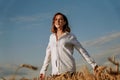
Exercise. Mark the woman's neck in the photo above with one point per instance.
(59, 31)
(59, 34)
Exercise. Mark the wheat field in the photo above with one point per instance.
(101, 73)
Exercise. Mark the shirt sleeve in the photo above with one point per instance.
(83, 52)
(46, 60)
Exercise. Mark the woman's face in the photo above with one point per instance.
(59, 22)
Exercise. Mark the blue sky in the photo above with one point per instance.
(25, 28)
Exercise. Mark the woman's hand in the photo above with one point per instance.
(42, 76)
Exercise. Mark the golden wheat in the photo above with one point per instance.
(101, 73)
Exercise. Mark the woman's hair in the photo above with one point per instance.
(66, 27)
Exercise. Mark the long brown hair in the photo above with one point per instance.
(66, 27)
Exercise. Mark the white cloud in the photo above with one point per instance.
(31, 18)
(102, 50)
(102, 40)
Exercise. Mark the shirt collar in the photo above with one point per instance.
(65, 33)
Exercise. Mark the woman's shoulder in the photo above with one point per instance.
(71, 34)
(52, 35)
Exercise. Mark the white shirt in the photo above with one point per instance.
(60, 53)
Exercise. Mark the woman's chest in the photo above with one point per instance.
(64, 41)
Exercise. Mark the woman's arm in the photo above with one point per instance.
(46, 60)
(83, 52)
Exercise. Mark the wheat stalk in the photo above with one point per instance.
(112, 60)
(29, 66)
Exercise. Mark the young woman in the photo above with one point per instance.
(60, 48)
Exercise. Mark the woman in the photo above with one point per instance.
(60, 48)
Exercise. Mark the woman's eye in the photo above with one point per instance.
(59, 19)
